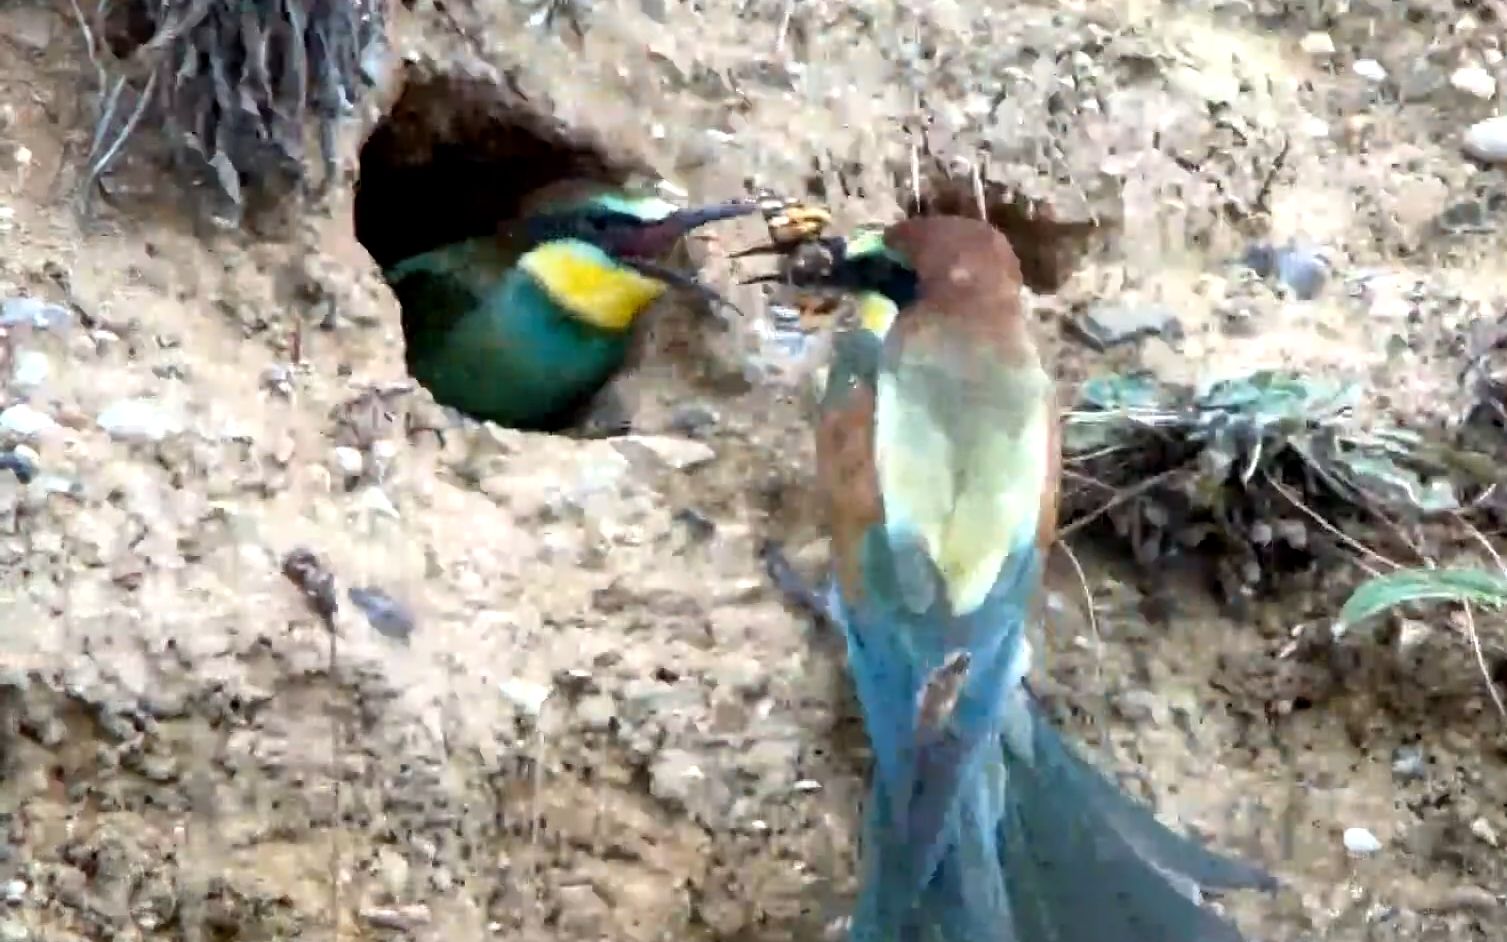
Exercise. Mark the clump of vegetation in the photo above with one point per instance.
(238, 87)
(1267, 471)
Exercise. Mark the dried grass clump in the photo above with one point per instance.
(238, 86)
(1270, 473)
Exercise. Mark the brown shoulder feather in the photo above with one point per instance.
(848, 480)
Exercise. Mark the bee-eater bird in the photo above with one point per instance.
(525, 327)
(938, 461)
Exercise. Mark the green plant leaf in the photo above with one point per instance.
(1381, 593)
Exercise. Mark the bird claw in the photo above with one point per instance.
(797, 590)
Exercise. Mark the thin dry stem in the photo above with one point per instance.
(1475, 645)
(1332, 530)
(1470, 620)
(1121, 497)
(1093, 619)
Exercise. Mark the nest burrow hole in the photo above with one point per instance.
(454, 158)
(1049, 249)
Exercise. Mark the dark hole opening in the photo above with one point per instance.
(1050, 249)
(454, 160)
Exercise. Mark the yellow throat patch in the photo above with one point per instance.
(586, 281)
(876, 313)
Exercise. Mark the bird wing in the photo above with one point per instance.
(845, 453)
(437, 288)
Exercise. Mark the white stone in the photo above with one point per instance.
(524, 694)
(1487, 140)
(30, 371)
(349, 461)
(1361, 841)
(138, 420)
(1370, 70)
(1318, 44)
(22, 421)
(1475, 81)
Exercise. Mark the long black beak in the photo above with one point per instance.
(684, 220)
(682, 281)
(773, 278)
(770, 248)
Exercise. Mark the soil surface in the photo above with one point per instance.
(601, 721)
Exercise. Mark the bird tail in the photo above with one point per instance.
(1082, 861)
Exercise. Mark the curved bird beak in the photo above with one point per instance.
(772, 248)
(657, 238)
(680, 280)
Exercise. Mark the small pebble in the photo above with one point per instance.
(1487, 140)
(1474, 81)
(14, 891)
(402, 918)
(1370, 70)
(682, 454)
(1301, 270)
(1318, 44)
(384, 613)
(1110, 325)
(374, 500)
(22, 421)
(43, 315)
(1361, 841)
(1409, 762)
(1483, 830)
(138, 420)
(349, 461)
(524, 694)
(30, 371)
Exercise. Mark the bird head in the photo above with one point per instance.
(600, 257)
(863, 264)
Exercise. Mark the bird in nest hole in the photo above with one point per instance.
(527, 327)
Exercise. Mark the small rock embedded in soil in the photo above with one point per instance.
(23, 421)
(1361, 842)
(675, 776)
(402, 918)
(1110, 325)
(525, 694)
(1301, 270)
(1483, 831)
(1319, 45)
(1409, 763)
(138, 420)
(682, 454)
(1370, 70)
(349, 461)
(383, 612)
(30, 371)
(1474, 81)
(39, 314)
(1487, 140)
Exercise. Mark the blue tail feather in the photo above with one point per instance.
(988, 827)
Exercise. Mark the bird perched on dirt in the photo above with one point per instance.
(524, 328)
(938, 461)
